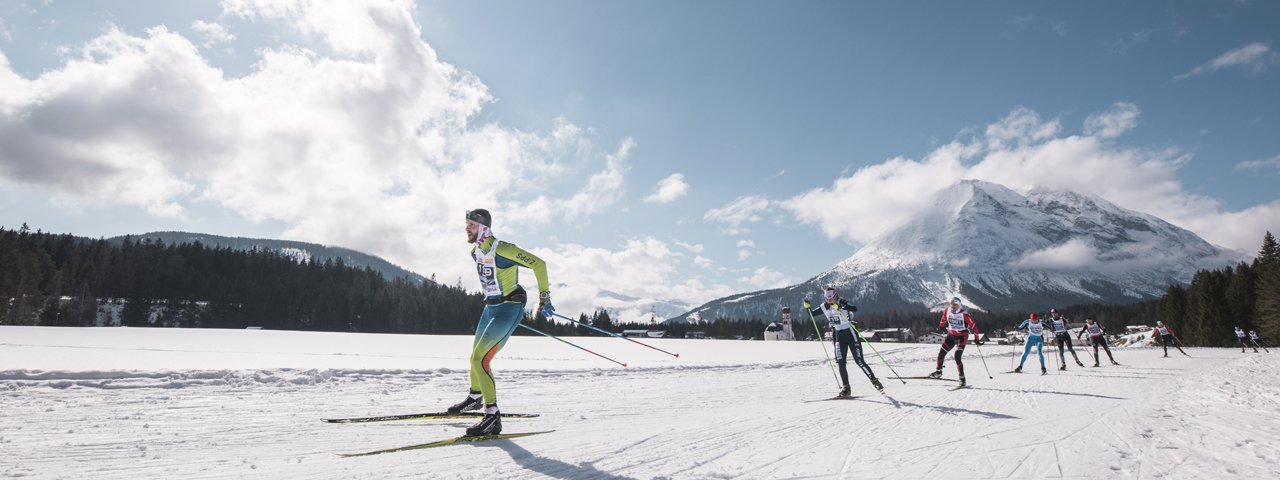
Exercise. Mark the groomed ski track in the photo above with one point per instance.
(1216, 415)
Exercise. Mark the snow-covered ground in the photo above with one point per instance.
(167, 403)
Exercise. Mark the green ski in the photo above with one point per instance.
(451, 441)
(425, 416)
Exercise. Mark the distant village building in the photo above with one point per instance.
(644, 333)
(780, 330)
(936, 338)
(899, 335)
(698, 334)
(1132, 329)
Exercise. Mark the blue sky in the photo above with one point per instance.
(372, 125)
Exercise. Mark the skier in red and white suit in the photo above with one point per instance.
(958, 324)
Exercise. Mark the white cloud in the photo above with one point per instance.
(4, 31)
(668, 189)
(647, 270)
(1264, 164)
(744, 209)
(1074, 255)
(213, 33)
(692, 247)
(764, 278)
(746, 248)
(1120, 118)
(1254, 58)
(1022, 151)
(361, 138)
(702, 261)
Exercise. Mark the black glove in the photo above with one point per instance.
(845, 305)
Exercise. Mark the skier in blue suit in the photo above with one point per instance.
(1035, 337)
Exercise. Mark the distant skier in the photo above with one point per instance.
(1243, 338)
(1166, 336)
(839, 314)
(1035, 337)
(1253, 335)
(1062, 336)
(1096, 338)
(958, 324)
(504, 298)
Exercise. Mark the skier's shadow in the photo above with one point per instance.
(899, 404)
(1051, 393)
(551, 467)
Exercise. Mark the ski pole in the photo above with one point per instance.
(1179, 340)
(824, 346)
(873, 349)
(540, 332)
(677, 355)
(980, 357)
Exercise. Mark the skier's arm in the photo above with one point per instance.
(968, 322)
(528, 260)
(943, 322)
(1023, 324)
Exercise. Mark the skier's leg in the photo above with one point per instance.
(959, 352)
(942, 352)
(840, 344)
(505, 318)
(1027, 351)
(1107, 348)
(1040, 351)
(858, 358)
(486, 317)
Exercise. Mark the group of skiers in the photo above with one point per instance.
(497, 265)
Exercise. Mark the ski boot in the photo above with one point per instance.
(875, 382)
(1044, 371)
(1095, 364)
(1018, 370)
(1081, 364)
(846, 391)
(1064, 367)
(962, 384)
(1113, 362)
(472, 402)
(491, 424)
(936, 374)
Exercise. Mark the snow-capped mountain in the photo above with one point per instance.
(1000, 249)
(626, 308)
(299, 251)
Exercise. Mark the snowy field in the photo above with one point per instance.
(124, 403)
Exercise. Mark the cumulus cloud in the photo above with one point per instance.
(1023, 151)
(646, 270)
(1115, 121)
(742, 210)
(1074, 255)
(764, 278)
(692, 247)
(1264, 164)
(1253, 58)
(668, 189)
(746, 248)
(360, 136)
(213, 33)
(702, 261)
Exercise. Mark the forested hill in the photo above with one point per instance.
(48, 279)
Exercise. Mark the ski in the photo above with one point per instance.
(931, 378)
(837, 397)
(446, 442)
(1010, 371)
(424, 416)
(959, 387)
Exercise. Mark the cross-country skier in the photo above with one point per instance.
(1096, 338)
(1242, 338)
(839, 314)
(1253, 335)
(1035, 337)
(504, 298)
(958, 324)
(1166, 336)
(1062, 337)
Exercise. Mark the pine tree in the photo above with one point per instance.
(1266, 311)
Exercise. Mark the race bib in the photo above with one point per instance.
(487, 269)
